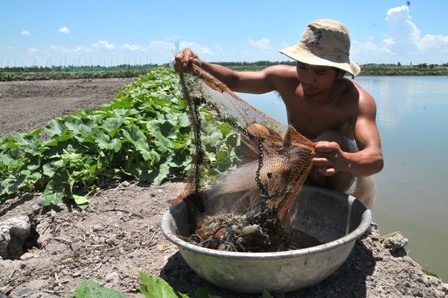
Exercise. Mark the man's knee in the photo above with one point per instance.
(340, 181)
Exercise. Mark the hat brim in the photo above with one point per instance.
(304, 55)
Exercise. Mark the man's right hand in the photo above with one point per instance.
(183, 61)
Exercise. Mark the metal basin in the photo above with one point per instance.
(334, 219)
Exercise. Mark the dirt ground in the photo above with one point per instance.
(119, 234)
(27, 105)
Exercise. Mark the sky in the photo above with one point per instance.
(112, 32)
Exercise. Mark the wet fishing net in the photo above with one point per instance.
(246, 173)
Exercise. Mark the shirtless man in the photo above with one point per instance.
(321, 104)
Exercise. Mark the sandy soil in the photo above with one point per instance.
(119, 234)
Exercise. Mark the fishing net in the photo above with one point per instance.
(246, 173)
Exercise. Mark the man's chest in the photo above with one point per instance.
(312, 120)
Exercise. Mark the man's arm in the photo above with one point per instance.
(369, 159)
(256, 82)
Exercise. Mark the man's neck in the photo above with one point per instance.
(321, 98)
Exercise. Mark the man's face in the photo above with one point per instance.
(316, 78)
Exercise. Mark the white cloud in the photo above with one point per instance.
(402, 30)
(64, 30)
(32, 51)
(434, 42)
(130, 47)
(66, 50)
(98, 49)
(264, 44)
(403, 42)
(155, 45)
(103, 45)
(24, 32)
(388, 43)
(198, 49)
(95, 47)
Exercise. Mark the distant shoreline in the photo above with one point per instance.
(131, 71)
(373, 69)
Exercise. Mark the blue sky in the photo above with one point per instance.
(89, 32)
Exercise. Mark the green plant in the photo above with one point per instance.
(430, 273)
(143, 135)
(90, 289)
(156, 287)
(150, 287)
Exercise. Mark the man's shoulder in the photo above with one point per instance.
(282, 71)
(280, 68)
(360, 98)
(347, 86)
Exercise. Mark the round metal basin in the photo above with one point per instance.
(334, 219)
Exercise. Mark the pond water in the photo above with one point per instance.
(412, 116)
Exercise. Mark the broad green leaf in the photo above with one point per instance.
(81, 201)
(53, 194)
(223, 160)
(156, 287)
(11, 185)
(105, 144)
(55, 127)
(139, 140)
(57, 189)
(164, 171)
(225, 128)
(112, 125)
(50, 169)
(90, 289)
(162, 143)
(212, 139)
(5, 159)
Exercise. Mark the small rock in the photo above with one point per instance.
(97, 228)
(29, 288)
(111, 240)
(112, 277)
(125, 184)
(27, 256)
(13, 233)
(445, 289)
(395, 242)
(52, 213)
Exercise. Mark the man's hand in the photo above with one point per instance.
(183, 62)
(329, 158)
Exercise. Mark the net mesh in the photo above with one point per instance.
(244, 162)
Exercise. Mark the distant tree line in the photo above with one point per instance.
(75, 68)
(73, 72)
(127, 71)
(367, 69)
(399, 69)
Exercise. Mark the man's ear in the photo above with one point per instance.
(341, 74)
